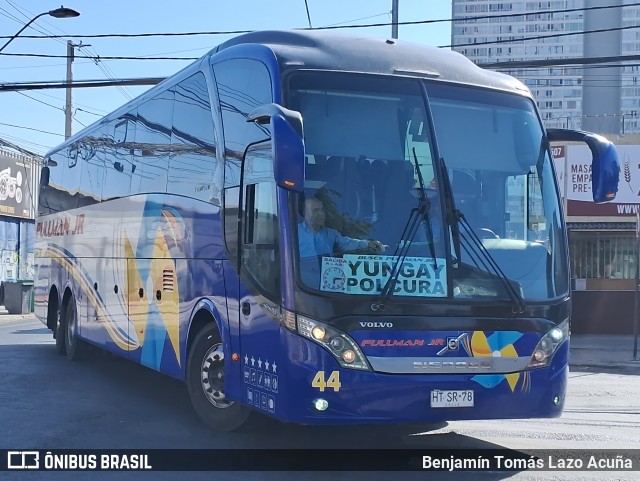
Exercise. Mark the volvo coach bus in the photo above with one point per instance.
(179, 232)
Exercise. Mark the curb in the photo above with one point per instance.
(618, 366)
(17, 317)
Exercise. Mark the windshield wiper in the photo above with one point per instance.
(426, 217)
(419, 215)
(477, 251)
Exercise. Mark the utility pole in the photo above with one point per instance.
(394, 19)
(68, 109)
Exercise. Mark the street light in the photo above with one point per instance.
(61, 12)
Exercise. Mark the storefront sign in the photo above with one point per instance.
(17, 186)
(574, 179)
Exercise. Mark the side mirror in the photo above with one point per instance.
(287, 144)
(44, 176)
(605, 165)
(288, 155)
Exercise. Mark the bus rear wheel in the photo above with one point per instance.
(205, 382)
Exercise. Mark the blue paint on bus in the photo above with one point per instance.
(168, 234)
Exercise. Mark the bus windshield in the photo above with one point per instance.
(374, 207)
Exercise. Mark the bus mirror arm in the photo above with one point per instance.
(264, 113)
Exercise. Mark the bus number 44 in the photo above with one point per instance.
(332, 382)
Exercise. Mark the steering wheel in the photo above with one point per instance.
(486, 233)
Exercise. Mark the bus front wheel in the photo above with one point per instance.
(205, 382)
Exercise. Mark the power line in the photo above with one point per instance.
(5, 143)
(196, 58)
(14, 87)
(22, 141)
(9, 15)
(88, 112)
(101, 58)
(105, 70)
(97, 58)
(28, 16)
(515, 64)
(103, 112)
(31, 128)
(40, 101)
(334, 27)
(385, 14)
(574, 63)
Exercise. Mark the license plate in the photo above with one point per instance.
(452, 399)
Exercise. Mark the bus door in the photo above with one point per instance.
(259, 294)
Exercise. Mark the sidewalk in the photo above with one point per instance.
(5, 317)
(588, 351)
(604, 351)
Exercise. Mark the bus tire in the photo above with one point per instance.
(205, 383)
(74, 346)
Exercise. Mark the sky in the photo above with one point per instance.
(34, 119)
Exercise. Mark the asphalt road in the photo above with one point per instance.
(47, 402)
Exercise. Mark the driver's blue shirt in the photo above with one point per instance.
(324, 241)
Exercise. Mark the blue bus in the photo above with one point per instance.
(325, 229)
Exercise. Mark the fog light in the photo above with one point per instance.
(556, 400)
(348, 356)
(318, 333)
(321, 404)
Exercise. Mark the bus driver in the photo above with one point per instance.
(315, 240)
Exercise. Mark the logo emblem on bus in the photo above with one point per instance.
(371, 324)
(453, 344)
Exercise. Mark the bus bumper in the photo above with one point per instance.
(358, 397)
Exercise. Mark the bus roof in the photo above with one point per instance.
(335, 51)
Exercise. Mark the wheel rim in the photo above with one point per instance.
(212, 377)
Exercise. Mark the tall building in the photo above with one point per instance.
(599, 97)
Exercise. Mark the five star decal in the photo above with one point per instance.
(261, 379)
(253, 361)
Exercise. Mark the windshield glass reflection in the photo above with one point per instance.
(366, 215)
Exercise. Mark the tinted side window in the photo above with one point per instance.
(193, 161)
(92, 175)
(55, 196)
(243, 85)
(153, 143)
(117, 162)
(124, 138)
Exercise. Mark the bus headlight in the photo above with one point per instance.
(343, 348)
(548, 345)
